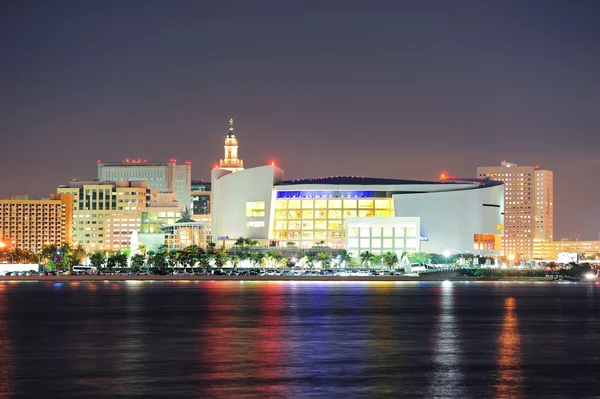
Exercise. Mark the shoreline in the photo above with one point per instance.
(275, 278)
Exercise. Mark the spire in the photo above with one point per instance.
(231, 133)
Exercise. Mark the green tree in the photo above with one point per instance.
(137, 261)
(324, 258)
(345, 257)
(235, 261)
(390, 259)
(367, 258)
(220, 259)
(97, 259)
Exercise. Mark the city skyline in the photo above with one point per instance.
(389, 90)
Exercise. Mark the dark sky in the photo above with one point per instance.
(393, 88)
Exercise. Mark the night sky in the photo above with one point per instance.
(403, 89)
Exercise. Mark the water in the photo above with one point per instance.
(298, 339)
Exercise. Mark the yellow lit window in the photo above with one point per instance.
(294, 235)
(320, 214)
(307, 225)
(293, 214)
(307, 214)
(255, 209)
(281, 204)
(307, 235)
(281, 226)
(294, 225)
(281, 214)
(294, 204)
(334, 225)
(321, 225)
(350, 213)
(320, 204)
(308, 204)
(336, 235)
(335, 214)
(365, 214)
(350, 204)
(382, 204)
(320, 235)
(411, 232)
(281, 235)
(335, 203)
(382, 213)
(353, 232)
(365, 204)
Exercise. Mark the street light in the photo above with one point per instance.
(447, 253)
(3, 245)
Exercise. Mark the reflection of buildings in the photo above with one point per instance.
(510, 381)
(549, 250)
(357, 213)
(528, 205)
(105, 214)
(164, 177)
(31, 224)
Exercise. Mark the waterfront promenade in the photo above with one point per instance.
(427, 277)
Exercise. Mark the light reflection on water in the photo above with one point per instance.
(297, 339)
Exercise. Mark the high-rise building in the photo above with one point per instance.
(30, 224)
(105, 214)
(528, 206)
(167, 177)
(201, 198)
(231, 161)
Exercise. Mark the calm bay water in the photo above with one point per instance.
(298, 339)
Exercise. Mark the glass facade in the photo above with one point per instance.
(152, 221)
(307, 222)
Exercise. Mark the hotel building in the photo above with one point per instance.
(549, 250)
(105, 214)
(528, 206)
(30, 224)
(167, 177)
(359, 214)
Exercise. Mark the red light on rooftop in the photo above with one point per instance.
(98, 161)
(443, 176)
(272, 163)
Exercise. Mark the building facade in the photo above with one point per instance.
(528, 206)
(31, 224)
(549, 250)
(358, 214)
(167, 177)
(105, 214)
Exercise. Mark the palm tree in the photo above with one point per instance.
(97, 259)
(235, 261)
(220, 258)
(137, 261)
(78, 254)
(324, 258)
(256, 258)
(367, 258)
(345, 257)
(390, 259)
(267, 260)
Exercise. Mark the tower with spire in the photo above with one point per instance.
(231, 161)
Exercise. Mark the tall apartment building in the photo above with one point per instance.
(167, 177)
(105, 214)
(528, 206)
(30, 224)
(201, 201)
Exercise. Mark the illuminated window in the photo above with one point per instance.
(320, 204)
(307, 225)
(382, 204)
(388, 231)
(320, 235)
(307, 214)
(335, 203)
(307, 235)
(294, 225)
(365, 214)
(254, 209)
(320, 214)
(388, 243)
(281, 225)
(294, 214)
(320, 225)
(376, 232)
(350, 204)
(411, 243)
(353, 242)
(376, 243)
(365, 243)
(350, 213)
(307, 204)
(399, 232)
(334, 225)
(382, 213)
(365, 204)
(353, 232)
(365, 232)
(255, 224)
(335, 235)
(335, 214)
(294, 235)
(281, 204)
(294, 204)
(411, 232)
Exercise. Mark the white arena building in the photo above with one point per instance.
(358, 214)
